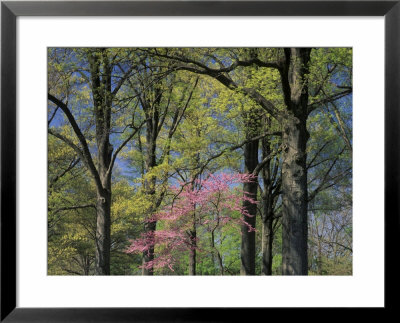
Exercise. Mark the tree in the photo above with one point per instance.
(210, 202)
(103, 91)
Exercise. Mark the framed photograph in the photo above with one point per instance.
(151, 151)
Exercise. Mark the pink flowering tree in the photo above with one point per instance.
(209, 203)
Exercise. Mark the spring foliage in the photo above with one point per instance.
(183, 169)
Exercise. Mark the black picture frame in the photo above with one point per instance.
(10, 10)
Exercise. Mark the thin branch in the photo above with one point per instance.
(71, 165)
(322, 186)
(73, 208)
(311, 107)
(122, 80)
(175, 122)
(52, 116)
(233, 148)
(339, 244)
(341, 126)
(67, 141)
(123, 144)
(317, 153)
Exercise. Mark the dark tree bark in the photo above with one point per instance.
(294, 199)
(192, 262)
(294, 171)
(149, 227)
(220, 263)
(248, 243)
(267, 240)
(269, 195)
(267, 216)
(193, 231)
(192, 253)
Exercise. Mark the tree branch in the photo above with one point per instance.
(178, 115)
(322, 186)
(342, 126)
(200, 68)
(84, 153)
(339, 244)
(253, 61)
(122, 80)
(233, 148)
(52, 116)
(72, 164)
(68, 142)
(73, 208)
(317, 153)
(114, 157)
(311, 107)
(265, 160)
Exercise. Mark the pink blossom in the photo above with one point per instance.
(215, 198)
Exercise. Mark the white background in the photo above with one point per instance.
(364, 288)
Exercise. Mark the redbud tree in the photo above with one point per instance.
(212, 202)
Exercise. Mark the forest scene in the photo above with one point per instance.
(199, 161)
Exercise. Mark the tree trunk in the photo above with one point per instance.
(267, 240)
(248, 244)
(192, 262)
(267, 196)
(102, 99)
(319, 260)
(294, 198)
(149, 228)
(103, 237)
(220, 263)
(193, 246)
(294, 172)
(148, 255)
(215, 252)
(86, 264)
(103, 208)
